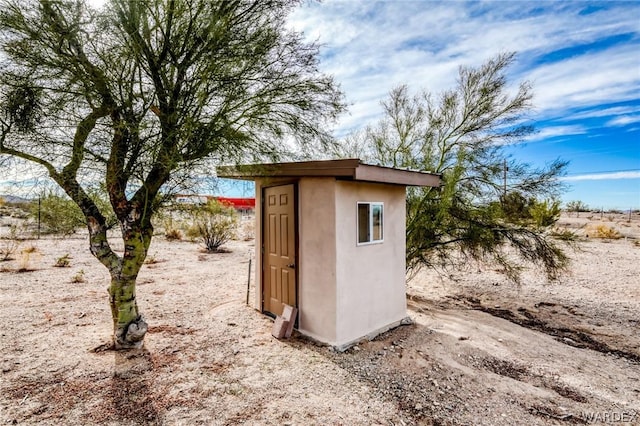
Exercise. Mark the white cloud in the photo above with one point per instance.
(624, 120)
(606, 112)
(604, 176)
(372, 46)
(587, 80)
(557, 131)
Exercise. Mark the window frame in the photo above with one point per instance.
(370, 219)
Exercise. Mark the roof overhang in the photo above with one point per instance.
(348, 169)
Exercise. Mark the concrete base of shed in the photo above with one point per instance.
(404, 321)
(345, 346)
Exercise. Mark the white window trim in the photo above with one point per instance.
(371, 204)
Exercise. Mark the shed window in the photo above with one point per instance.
(370, 222)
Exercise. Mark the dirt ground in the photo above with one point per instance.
(481, 351)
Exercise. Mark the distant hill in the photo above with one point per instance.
(12, 199)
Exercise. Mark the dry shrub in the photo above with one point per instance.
(79, 277)
(63, 261)
(563, 234)
(25, 260)
(215, 224)
(192, 232)
(215, 231)
(173, 234)
(604, 232)
(248, 229)
(9, 244)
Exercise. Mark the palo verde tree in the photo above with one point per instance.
(461, 134)
(139, 94)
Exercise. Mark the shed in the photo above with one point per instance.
(330, 240)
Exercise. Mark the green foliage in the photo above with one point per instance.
(215, 224)
(61, 216)
(22, 106)
(58, 214)
(460, 134)
(545, 213)
(143, 95)
(518, 209)
(577, 206)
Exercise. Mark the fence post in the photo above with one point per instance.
(249, 280)
(39, 206)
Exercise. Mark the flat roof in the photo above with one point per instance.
(347, 169)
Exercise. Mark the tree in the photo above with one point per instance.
(577, 206)
(140, 94)
(461, 134)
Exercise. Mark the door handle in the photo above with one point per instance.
(291, 265)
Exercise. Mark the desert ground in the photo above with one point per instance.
(481, 351)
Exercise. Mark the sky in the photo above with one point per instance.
(582, 59)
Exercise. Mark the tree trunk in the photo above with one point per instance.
(129, 327)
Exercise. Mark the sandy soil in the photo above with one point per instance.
(481, 351)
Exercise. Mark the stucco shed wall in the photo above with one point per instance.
(317, 258)
(370, 278)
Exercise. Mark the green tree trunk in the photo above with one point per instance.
(129, 327)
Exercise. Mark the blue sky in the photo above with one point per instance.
(582, 58)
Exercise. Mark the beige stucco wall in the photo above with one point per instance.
(317, 259)
(370, 278)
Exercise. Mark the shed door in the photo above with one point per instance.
(279, 259)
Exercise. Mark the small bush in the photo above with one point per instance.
(216, 224)
(58, 215)
(30, 249)
(563, 234)
(248, 230)
(9, 244)
(192, 232)
(577, 206)
(545, 213)
(25, 260)
(518, 209)
(173, 234)
(78, 277)
(63, 262)
(605, 232)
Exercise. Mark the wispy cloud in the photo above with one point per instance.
(605, 112)
(624, 120)
(557, 131)
(587, 80)
(372, 46)
(604, 176)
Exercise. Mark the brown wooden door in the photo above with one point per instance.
(279, 242)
